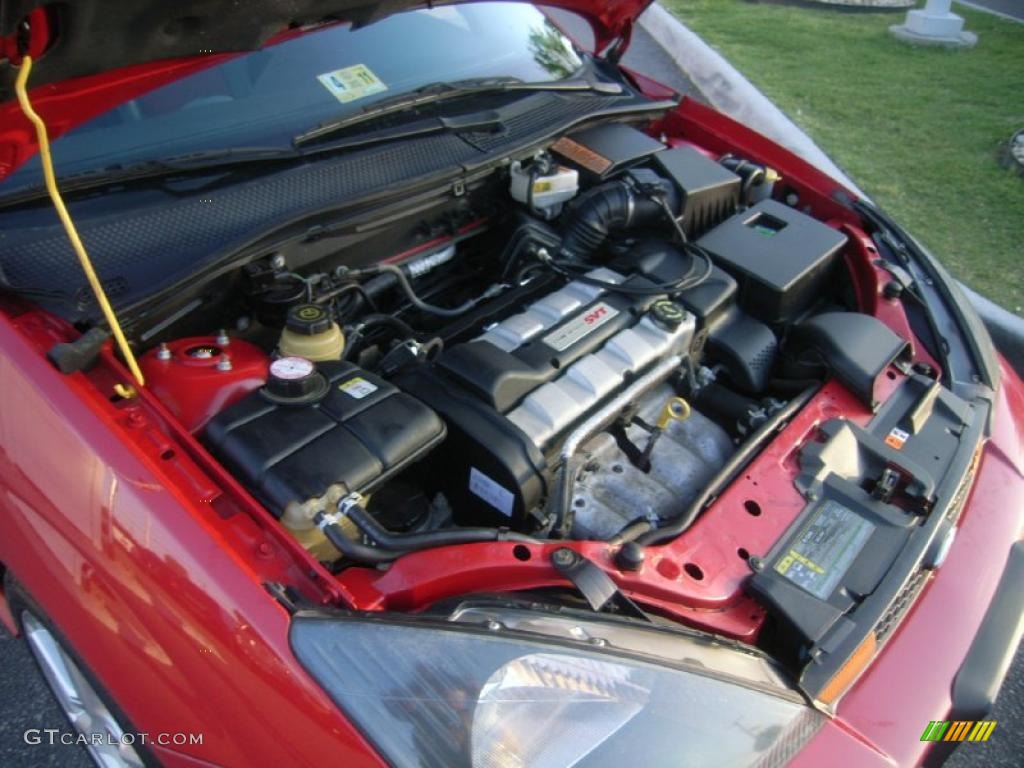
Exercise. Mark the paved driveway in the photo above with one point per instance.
(1013, 9)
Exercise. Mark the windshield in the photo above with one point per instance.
(266, 97)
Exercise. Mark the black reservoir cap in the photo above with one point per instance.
(308, 319)
(294, 380)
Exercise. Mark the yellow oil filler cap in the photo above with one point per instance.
(311, 333)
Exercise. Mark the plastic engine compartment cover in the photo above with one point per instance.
(355, 436)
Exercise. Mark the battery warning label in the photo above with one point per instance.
(825, 549)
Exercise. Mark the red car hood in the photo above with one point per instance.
(91, 55)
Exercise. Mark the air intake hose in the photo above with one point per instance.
(614, 206)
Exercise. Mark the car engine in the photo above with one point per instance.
(572, 347)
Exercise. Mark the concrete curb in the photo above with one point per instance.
(729, 91)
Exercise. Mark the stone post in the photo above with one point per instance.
(935, 24)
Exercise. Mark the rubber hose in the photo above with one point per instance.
(353, 550)
(605, 209)
(410, 294)
(717, 399)
(356, 339)
(563, 513)
(631, 532)
(409, 542)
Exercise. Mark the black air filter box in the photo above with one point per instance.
(709, 192)
(782, 258)
(359, 433)
(604, 150)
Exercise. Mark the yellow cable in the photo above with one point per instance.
(69, 225)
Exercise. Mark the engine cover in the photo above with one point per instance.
(511, 395)
(548, 366)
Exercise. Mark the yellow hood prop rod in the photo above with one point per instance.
(69, 227)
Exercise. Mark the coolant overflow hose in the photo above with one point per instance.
(410, 542)
(390, 545)
(353, 550)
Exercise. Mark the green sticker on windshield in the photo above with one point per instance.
(351, 83)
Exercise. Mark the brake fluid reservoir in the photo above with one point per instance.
(311, 333)
(546, 188)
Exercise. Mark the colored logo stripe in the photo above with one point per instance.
(934, 731)
(958, 730)
(982, 731)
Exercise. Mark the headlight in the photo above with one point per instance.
(433, 694)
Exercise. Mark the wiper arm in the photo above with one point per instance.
(226, 159)
(439, 92)
(487, 120)
(211, 160)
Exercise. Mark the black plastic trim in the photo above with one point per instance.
(975, 362)
(855, 347)
(950, 493)
(977, 683)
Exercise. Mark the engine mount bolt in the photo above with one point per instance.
(563, 557)
(222, 338)
(224, 364)
(163, 353)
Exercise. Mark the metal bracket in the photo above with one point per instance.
(593, 583)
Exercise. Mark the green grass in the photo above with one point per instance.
(919, 129)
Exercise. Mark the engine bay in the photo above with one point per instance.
(629, 374)
(658, 372)
(577, 363)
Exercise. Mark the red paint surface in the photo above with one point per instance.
(159, 590)
(193, 387)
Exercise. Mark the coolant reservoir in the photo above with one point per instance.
(311, 333)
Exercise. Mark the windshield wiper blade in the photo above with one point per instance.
(439, 92)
